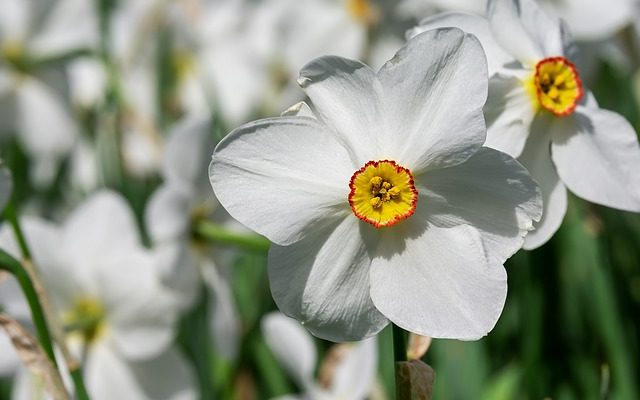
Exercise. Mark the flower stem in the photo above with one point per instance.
(399, 353)
(221, 235)
(399, 344)
(41, 309)
(10, 214)
(14, 267)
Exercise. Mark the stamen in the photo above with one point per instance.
(557, 85)
(382, 193)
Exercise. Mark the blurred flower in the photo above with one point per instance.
(32, 99)
(540, 111)
(118, 317)
(589, 20)
(134, 36)
(351, 376)
(387, 205)
(183, 200)
(222, 60)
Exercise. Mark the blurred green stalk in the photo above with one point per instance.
(221, 235)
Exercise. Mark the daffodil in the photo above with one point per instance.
(117, 316)
(589, 20)
(350, 374)
(540, 111)
(386, 206)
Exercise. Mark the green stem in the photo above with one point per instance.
(399, 354)
(14, 267)
(221, 235)
(399, 344)
(81, 391)
(28, 280)
(10, 214)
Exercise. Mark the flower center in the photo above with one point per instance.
(557, 85)
(86, 318)
(382, 193)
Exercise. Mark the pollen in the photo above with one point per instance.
(382, 193)
(557, 85)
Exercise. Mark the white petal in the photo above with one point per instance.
(179, 272)
(6, 185)
(346, 96)
(491, 192)
(69, 25)
(141, 314)
(524, 30)
(45, 124)
(597, 155)
(281, 176)
(323, 281)
(536, 157)
(292, 346)
(434, 90)
(87, 81)
(509, 112)
(188, 152)
(474, 24)
(110, 376)
(355, 375)
(592, 20)
(101, 224)
(437, 281)
(224, 321)
(315, 28)
(167, 215)
(15, 20)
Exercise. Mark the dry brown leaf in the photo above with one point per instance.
(34, 357)
(418, 346)
(414, 380)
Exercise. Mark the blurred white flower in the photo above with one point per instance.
(352, 377)
(589, 20)
(540, 111)
(119, 319)
(222, 61)
(135, 27)
(33, 96)
(402, 147)
(183, 200)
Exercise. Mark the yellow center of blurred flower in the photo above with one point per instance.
(362, 11)
(557, 85)
(86, 318)
(383, 193)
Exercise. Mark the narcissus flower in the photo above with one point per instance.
(540, 111)
(384, 206)
(348, 371)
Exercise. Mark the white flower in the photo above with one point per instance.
(31, 96)
(400, 147)
(181, 201)
(540, 111)
(353, 375)
(589, 20)
(110, 301)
